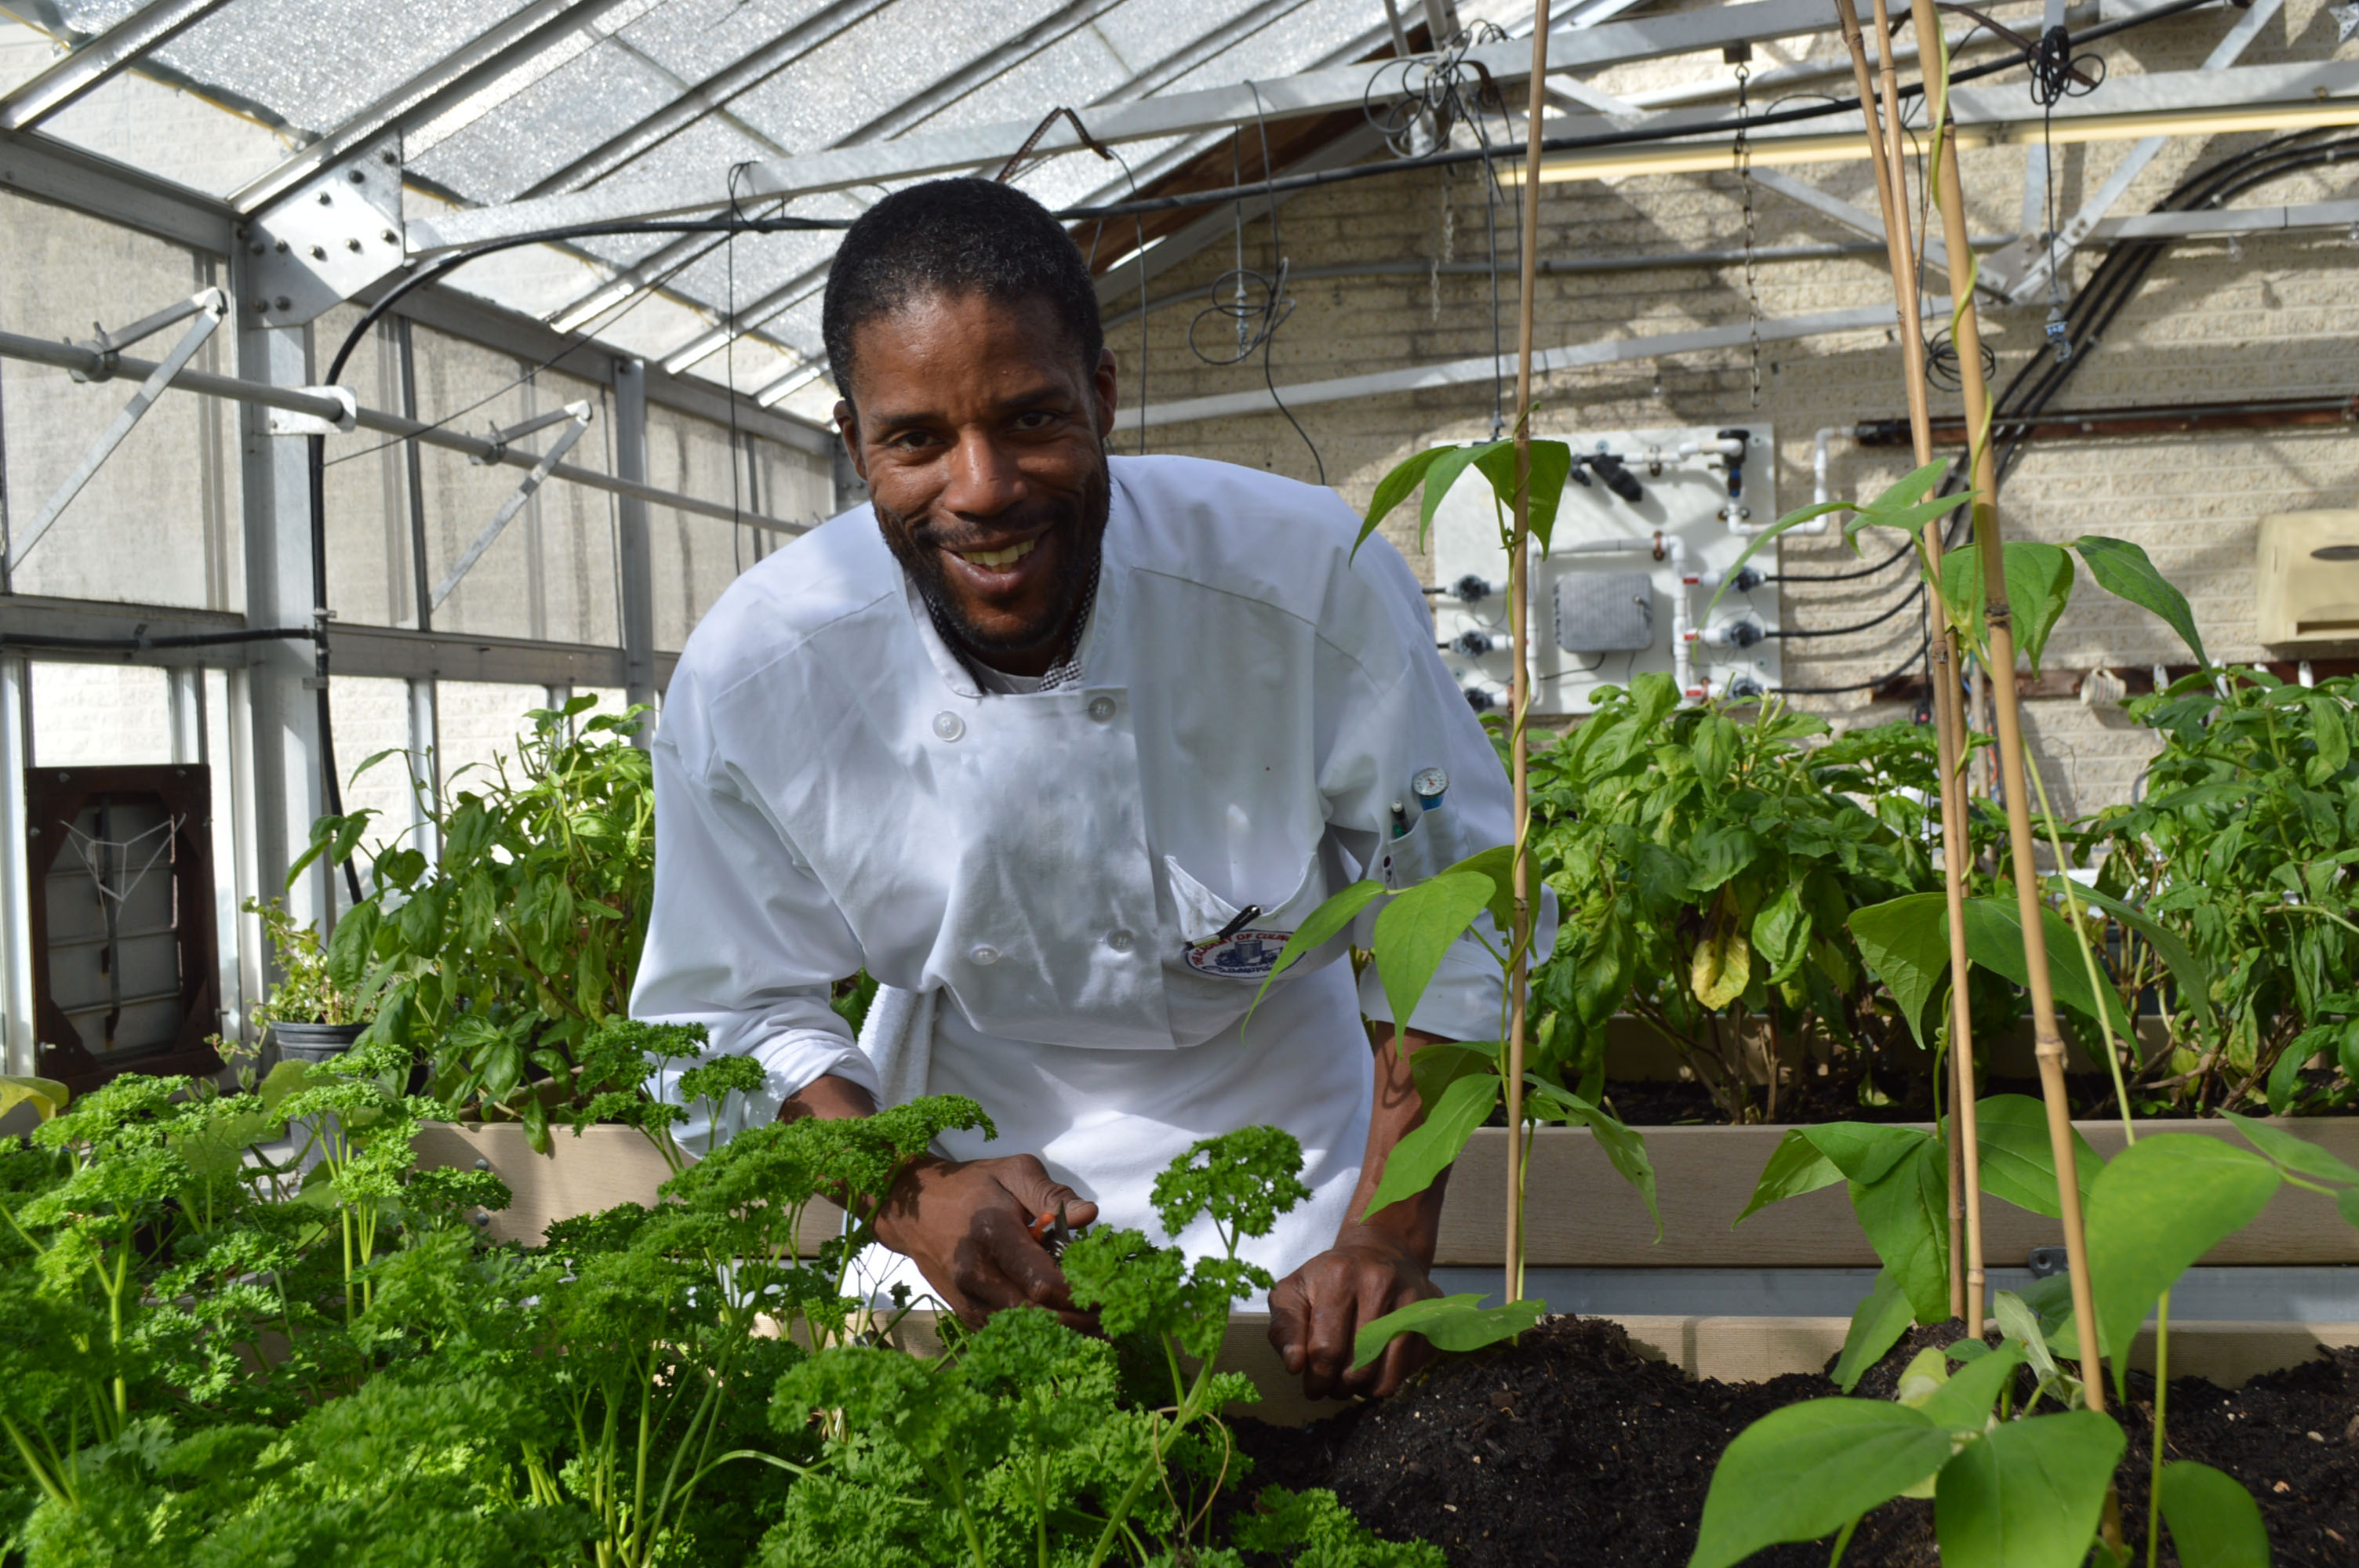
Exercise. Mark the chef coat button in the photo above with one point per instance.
(984, 953)
(1121, 941)
(949, 726)
(1101, 708)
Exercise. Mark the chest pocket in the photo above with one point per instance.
(1222, 941)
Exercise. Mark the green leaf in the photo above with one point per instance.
(1906, 1214)
(1865, 1151)
(46, 1095)
(1906, 944)
(2292, 1153)
(1331, 917)
(1782, 933)
(1551, 466)
(1395, 488)
(2214, 1520)
(2027, 1495)
(2123, 569)
(1448, 1323)
(2192, 975)
(2019, 1165)
(1624, 1148)
(1804, 1472)
(1428, 1149)
(2333, 738)
(1995, 940)
(1436, 1067)
(1416, 930)
(1876, 1326)
(2039, 586)
(1759, 541)
(1964, 1402)
(1452, 462)
(2020, 1325)
(1499, 864)
(1795, 1167)
(2157, 1207)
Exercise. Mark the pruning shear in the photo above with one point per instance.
(1051, 1232)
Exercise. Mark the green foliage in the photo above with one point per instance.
(318, 983)
(1709, 864)
(498, 961)
(1022, 1442)
(2214, 1522)
(1448, 1323)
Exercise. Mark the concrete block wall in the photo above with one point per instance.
(2268, 316)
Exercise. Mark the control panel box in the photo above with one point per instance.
(1650, 526)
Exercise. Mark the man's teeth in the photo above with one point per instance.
(1006, 557)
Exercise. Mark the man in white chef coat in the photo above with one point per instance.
(1066, 743)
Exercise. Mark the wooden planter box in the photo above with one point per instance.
(602, 1167)
(1580, 1212)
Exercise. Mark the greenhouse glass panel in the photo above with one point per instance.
(479, 722)
(695, 556)
(99, 716)
(158, 523)
(373, 717)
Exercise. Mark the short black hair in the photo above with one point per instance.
(956, 236)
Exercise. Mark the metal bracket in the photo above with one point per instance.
(109, 346)
(575, 416)
(288, 422)
(208, 306)
(329, 238)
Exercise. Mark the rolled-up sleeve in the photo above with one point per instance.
(742, 938)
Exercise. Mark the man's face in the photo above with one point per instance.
(982, 438)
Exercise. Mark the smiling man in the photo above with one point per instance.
(1066, 744)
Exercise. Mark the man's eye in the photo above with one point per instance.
(1035, 419)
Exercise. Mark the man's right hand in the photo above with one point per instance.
(967, 1226)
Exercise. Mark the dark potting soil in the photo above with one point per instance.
(1570, 1447)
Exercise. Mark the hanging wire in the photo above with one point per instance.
(1254, 302)
(1744, 154)
(1438, 92)
(2058, 74)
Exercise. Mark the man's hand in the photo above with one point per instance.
(1378, 1263)
(966, 1224)
(1315, 1312)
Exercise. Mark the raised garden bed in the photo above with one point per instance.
(1578, 1445)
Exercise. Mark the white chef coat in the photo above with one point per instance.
(833, 792)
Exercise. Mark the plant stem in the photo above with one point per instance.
(2097, 987)
(1892, 194)
(1843, 1540)
(1518, 618)
(2161, 1398)
(1998, 616)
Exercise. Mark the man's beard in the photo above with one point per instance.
(1079, 525)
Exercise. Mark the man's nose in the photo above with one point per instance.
(984, 477)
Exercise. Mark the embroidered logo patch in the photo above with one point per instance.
(1247, 955)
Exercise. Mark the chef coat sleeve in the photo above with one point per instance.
(742, 937)
(1400, 712)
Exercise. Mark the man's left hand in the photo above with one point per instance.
(1315, 1312)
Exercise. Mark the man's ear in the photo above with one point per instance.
(1104, 383)
(847, 430)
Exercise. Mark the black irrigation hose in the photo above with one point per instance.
(1911, 597)
(1876, 685)
(140, 644)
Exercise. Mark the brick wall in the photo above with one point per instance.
(2268, 317)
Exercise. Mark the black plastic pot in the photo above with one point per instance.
(314, 1042)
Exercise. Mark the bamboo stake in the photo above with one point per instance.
(1966, 1274)
(1999, 617)
(1519, 592)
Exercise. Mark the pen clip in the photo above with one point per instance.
(1249, 913)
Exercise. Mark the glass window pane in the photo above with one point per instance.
(92, 716)
(158, 523)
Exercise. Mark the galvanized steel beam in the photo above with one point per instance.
(98, 59)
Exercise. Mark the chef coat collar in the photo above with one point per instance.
(1112, 551)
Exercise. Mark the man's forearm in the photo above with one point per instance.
(830, 1099)
(1413, 1224)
